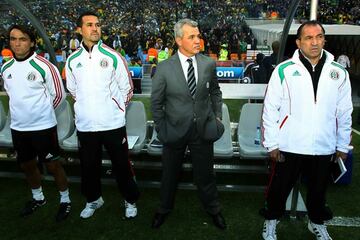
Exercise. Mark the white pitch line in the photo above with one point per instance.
(356, 131)
(344, 222)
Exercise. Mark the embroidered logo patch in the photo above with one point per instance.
(104, 63)
(31, 76)
(334, 74)
(79, 65)
(296, 73)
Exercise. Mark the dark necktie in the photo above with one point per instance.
(191, 78)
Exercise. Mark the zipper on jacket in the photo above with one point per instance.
(90, 53)
(312, 76)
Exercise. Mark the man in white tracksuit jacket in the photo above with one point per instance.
(306, 120)
(98, 79)
(35, 92)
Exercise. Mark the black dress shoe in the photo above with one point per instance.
(158, 220)
(219, 221)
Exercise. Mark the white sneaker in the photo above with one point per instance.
(91, 207)
(130, 210)
(319, 230)
(269, 230)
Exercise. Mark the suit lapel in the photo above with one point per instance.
(201, 69)
(179, 74)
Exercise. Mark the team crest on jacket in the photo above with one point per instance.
(31, 76)
(104, 63)
(334, 74)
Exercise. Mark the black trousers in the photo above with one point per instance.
(90, 149)
(284, 176)
(203, 172)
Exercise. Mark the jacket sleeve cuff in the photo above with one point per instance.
(342, 149)
(269, 149)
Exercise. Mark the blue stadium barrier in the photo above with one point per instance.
(136, 72)
(223, 73)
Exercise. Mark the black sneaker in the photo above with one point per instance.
(64, 211)
(31, 206)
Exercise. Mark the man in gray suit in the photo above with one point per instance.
(186, 104)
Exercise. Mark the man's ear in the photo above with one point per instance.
(178, 41)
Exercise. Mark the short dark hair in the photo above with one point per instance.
(26, 30)
(79, 21)
(308, 23)
(275, 46)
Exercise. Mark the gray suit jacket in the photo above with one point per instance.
(174, 109)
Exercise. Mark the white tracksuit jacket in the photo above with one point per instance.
(101, 85)
(296, 121)
(35, 89)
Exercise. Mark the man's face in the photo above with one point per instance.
(20, 43)
(311, 42)
(90, 30)
(189, 44)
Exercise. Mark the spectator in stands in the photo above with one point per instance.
(102, 88)
(63, 47)
(140, 54)
(134, 63)
(305, 132)
(152, 53)
(265, 45)
(253, 42)
(121, 50)
(243, 49)
(163, 54)
(223, 54)
(270, 61)
(202, 45)
(344, 61)
(73, 43)
(6, 54)
(35, 91)
(187, 116)
(117, 42)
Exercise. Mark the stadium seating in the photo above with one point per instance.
(2, 117)
(155, 146)
(65, 120)
(250, 119)
(5, 134)
(71, 143)
(136, 124)
(223, 147)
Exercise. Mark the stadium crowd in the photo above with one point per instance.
(135, 25)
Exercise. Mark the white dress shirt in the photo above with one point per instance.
(185, 65)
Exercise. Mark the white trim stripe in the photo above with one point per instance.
(355, 131)
(344, 222)
(55, 79)
(130, 93)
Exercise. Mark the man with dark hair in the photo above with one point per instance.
(99, 80)
(307, 124)
(35, 91)
(186, 105)
(269, 62)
